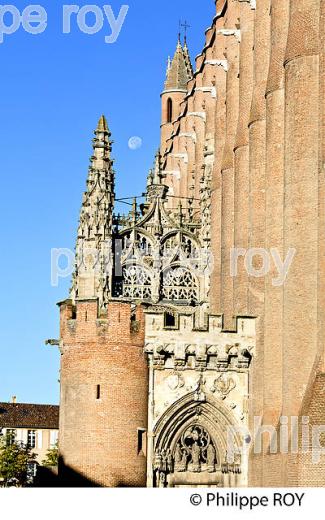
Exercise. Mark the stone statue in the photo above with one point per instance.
(184, 459)
(157, 461)
(211, 458)
(164, 460)
(196, 455)
(162, 480)
(180, 458)
(169, 461)
(178, 454)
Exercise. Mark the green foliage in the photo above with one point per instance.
(14, 459)
(52, 456)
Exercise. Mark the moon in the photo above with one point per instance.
(135, 143)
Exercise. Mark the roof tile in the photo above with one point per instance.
(21, 415)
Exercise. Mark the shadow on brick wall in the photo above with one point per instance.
(48, 477)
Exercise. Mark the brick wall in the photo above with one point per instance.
(268, 191)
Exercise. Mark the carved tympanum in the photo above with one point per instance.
(194, 452)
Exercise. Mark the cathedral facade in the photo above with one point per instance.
(178, 339)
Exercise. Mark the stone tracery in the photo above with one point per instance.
(137, 282)
(179, 284)
(161, 252)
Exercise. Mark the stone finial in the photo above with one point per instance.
(102, 124)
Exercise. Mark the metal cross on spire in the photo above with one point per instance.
(185, 26)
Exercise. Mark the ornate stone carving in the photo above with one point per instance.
(137, 283)
(199, 395)
(94, 259)
(196, 458)
(180, 458)
(211, 458)
(195, 451)
(175, 381)
(232, 467)
(179, 284)
(161, 252)
(223, 385)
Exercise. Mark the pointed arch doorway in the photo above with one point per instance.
(190, 445)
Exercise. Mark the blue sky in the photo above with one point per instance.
(53, 89)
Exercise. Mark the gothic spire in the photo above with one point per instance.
(92, 277)
(179, 70)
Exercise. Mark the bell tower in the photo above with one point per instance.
(179, 72)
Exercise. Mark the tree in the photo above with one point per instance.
(52, 456)
(14, 460)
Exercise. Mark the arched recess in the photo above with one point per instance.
(194, 412)
(181, 244)
(134, 238)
